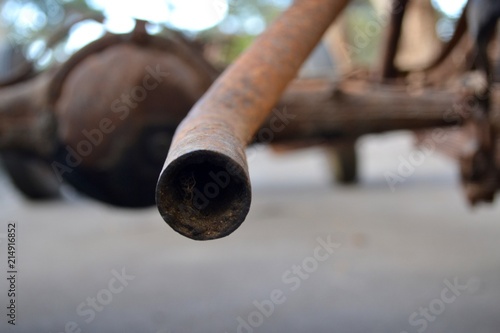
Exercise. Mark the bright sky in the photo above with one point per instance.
(451, 7)
(184, 14)
(191, 15)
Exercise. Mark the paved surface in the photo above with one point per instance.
(398, 256)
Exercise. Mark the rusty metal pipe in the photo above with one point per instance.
(204, 190)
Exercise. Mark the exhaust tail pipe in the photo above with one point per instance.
(204, 189)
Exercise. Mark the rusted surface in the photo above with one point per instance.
(312, 110)
(158, 88)
(119, 130)
(114, 134)
(212, 139)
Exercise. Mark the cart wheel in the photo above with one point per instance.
(343, 163)
(32, 176)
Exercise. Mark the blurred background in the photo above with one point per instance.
(401, 246)
(228, 26)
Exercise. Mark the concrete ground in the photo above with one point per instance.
(415, 259)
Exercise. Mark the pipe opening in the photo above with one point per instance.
(204, 195)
